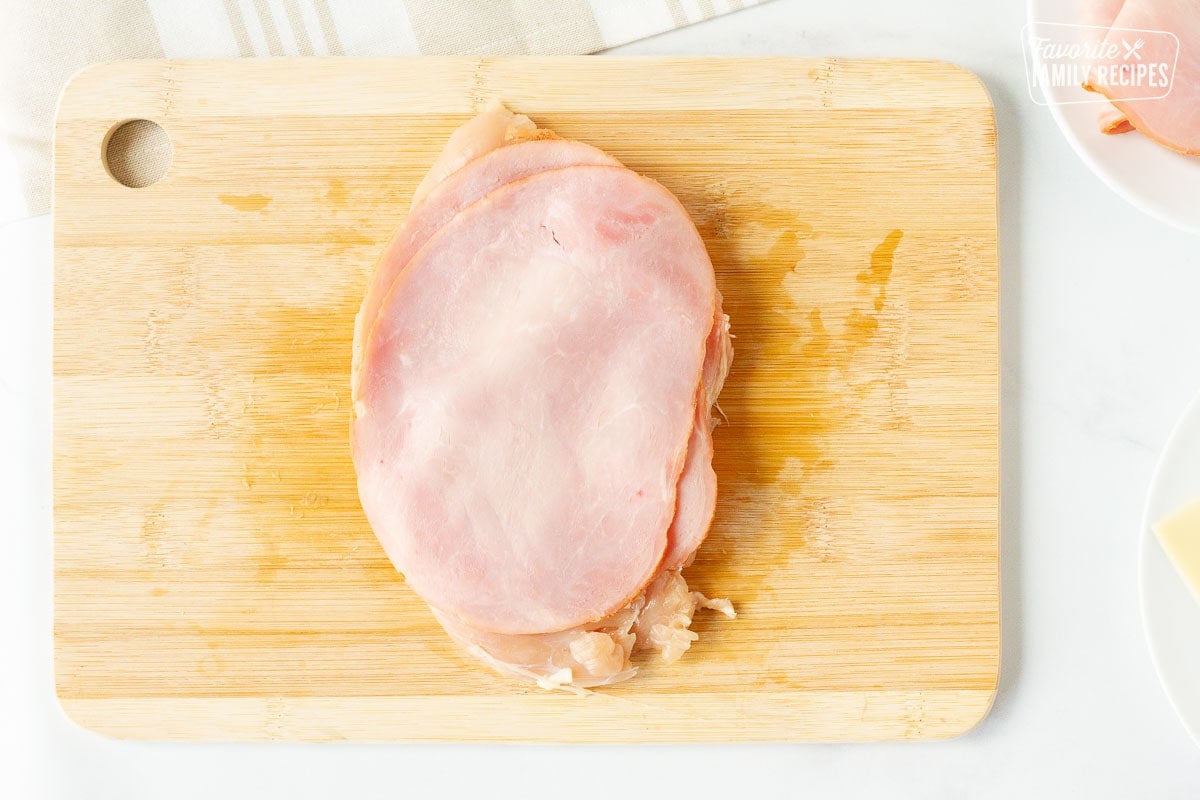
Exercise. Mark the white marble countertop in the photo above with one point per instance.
(1101, 352)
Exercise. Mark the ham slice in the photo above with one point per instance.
(697, 494)
(486, 171)
(1113, 122)
(1172, 121)
(657, 620)
(488, 130)
(697, 501)
(519, 151)
(527, 398)
(1099, 13)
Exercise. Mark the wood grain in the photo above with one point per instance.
(214, 574)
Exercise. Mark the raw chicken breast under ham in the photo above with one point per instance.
(1174, 120)
(658, 620)
(535, 366)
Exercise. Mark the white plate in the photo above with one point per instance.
(1170, 613)
(1164, 184)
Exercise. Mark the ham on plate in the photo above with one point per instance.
(534, 372)
(1174, 120)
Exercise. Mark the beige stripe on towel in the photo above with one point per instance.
(270, 32)
(328, 29)
(296, 20)
(505, 26)
(238, 25)
(678, 15)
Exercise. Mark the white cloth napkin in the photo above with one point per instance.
(43, 43)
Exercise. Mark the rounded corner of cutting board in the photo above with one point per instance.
(972, 81)
(76, 712)
(973, 718)
(89, 78)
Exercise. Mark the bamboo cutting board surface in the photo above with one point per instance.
(214, 575)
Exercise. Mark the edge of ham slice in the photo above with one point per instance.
(697, 500)
(1113, 122)
(491, 128)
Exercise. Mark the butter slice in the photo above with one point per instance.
(1179, 535)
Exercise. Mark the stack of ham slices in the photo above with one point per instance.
(535, 368)
(1174, 120)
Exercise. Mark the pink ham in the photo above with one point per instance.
(493, 127)
(1174, 120)
(697, 495)
(527, 397)
(1099, 13)
(1114, 122)
(658, 619)
(697, 499)
(486, 171)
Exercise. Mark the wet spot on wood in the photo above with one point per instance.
(245, 202)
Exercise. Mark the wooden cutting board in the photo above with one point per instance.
(214, 575)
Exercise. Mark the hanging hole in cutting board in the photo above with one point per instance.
(137, 153)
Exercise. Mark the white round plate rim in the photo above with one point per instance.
(1169, 602)
(1174, 203)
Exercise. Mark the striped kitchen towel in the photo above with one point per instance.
(43, 43)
